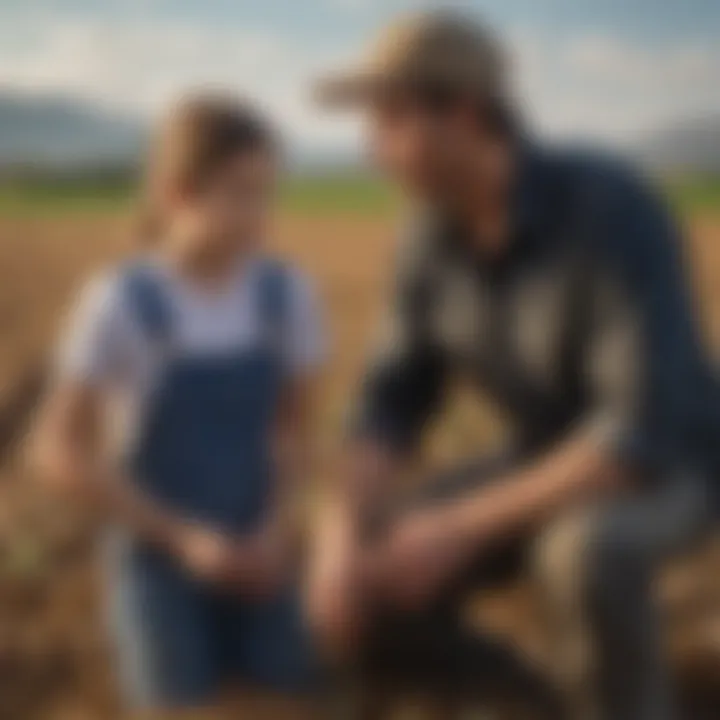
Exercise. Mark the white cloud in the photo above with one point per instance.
(607, 87)
(350, 5)
(596, 85)
(141, 66)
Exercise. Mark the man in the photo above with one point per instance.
(553, 281)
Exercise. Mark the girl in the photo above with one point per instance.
(207, 347)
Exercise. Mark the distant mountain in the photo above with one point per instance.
(689, 146)
(63, 132)
(56, 132)
(60, 133)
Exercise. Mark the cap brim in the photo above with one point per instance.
(351, 89)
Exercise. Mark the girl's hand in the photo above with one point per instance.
(207, 554)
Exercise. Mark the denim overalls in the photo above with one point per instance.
(203, 451)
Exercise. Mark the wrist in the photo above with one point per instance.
(172, 537)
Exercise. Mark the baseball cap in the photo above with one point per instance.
(441, 50)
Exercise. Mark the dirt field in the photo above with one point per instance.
(53, 655)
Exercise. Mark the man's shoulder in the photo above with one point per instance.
(598, 174)
(625, 216)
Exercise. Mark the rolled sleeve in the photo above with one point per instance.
(615, 374)
(644, 359)
(94, 345)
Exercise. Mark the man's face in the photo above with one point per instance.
(423, 150)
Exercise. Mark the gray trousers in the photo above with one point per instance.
(593, 567)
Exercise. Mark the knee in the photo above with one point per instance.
(560, 555)
(616, 567)
(590, 558)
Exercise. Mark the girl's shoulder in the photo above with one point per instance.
(98, 328)
(109, 292)
(297, 282)
(103, 290)
(305, 341)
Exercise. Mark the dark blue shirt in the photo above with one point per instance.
(586, 321)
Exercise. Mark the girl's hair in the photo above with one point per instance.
(194, 140)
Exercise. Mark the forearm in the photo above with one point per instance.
(429, 547)
(294, 457)
(342, 584)
(122, 502)
(108, 496)
(363, 475)
(577, 469)
(292, 472)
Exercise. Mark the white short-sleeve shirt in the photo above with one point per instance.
(104, 344)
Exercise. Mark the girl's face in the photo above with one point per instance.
(231, 211)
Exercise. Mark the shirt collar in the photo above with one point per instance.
(530, 209)
(531, 199)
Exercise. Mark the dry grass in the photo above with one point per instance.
(53, 655)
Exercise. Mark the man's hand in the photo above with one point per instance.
(417, 556)
(424, 551)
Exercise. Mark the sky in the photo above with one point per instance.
(608, 69)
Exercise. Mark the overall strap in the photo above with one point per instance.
(148, 303)
(274, 302)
